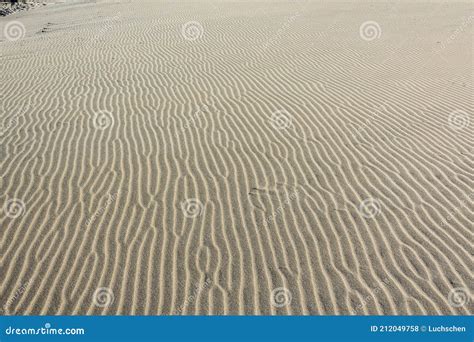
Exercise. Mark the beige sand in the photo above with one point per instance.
(237, 158)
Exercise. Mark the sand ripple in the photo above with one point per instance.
(237, 158)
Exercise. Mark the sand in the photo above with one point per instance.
(237, 158)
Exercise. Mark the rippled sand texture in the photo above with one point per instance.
(237, 158)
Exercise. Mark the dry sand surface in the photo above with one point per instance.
(237, 158)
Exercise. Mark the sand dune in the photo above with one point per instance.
(237, 158)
